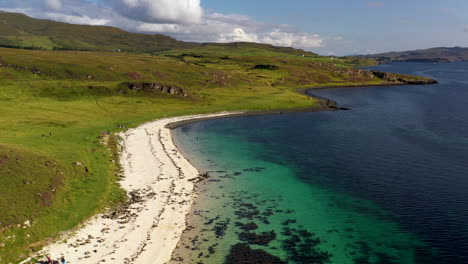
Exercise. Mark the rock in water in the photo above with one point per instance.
(243, 254)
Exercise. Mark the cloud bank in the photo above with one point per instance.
(54, 4)
(160, 11)
(183, 19)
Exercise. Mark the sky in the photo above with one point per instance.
(328, 27)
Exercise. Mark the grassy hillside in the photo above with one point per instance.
(19, 30)
(57, 160)
(22, 31)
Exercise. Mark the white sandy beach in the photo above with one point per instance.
(148, 230)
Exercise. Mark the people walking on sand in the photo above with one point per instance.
(62, 260)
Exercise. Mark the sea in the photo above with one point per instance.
(385, 182)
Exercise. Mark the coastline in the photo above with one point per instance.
(159, 181)
(324, 104)
(156, 175)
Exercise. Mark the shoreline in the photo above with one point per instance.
(160, 182)
(324, 104)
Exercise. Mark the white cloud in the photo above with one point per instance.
(237, 28)
(165, 11)
(183, 19)
(84, 20)
(167, 28)
(276, 37)
(238, 35)
(288, 39)
(54, 4)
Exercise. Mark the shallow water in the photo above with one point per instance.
(384, 183)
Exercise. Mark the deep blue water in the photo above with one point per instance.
(402, 148)
(406, 149)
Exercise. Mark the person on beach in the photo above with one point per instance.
(62, 260)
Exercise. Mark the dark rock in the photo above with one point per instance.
(221, 227)
(150, 87)
(262, 239)
(247, 227)
(243, 254)
(247, 214)
(256, 169)
(289, 221)
(401, 78)
(354, 73)
(301, 247)
(265, 67)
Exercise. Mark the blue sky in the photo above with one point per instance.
(325, 26)
(365, 25)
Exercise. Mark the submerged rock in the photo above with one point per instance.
(247, 227)
(243, 254)
(258, 239)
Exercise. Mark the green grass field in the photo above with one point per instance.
(56, 105)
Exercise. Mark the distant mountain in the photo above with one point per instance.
(440, 54)
(22, 31)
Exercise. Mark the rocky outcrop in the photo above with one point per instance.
(354, 72)
(150, 87)
(385, 76)
(265, 67)
(329, 104)
(401, 78)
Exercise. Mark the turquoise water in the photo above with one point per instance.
(383, 183)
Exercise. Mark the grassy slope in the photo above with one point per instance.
(47, 92)
(23, 31)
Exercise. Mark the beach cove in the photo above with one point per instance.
(160, 184)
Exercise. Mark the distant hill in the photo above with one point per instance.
(440, 54)
(22, 31)
(19, 30)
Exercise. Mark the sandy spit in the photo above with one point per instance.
(158, 180)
